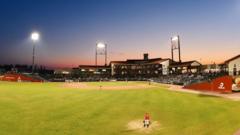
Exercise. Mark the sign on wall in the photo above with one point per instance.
(221, 84)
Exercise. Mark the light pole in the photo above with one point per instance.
(174, 40)
(34, 37)
(101, 49)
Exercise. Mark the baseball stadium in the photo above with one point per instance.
(165, 91)
(179, 97)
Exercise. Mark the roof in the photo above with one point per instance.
(183, 64)
(233, 58)
(92, 66)
(140, 61)
(63, 69)
(118, 62)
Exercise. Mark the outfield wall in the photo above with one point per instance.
(14, 77)
(220, 84)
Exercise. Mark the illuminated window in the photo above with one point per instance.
(65, 72)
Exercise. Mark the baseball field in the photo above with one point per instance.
(112, 108)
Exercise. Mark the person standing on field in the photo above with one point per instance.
(146, 121)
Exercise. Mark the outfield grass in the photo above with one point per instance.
(49, 109)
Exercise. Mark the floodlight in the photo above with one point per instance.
(35, 36)
(101, 45)
(175, 38)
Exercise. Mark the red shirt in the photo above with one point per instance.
(147, 117)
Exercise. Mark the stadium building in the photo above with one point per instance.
(92, 70)
(185, 67)
(213, 68)
(152, 67)
(233, 65)
(230, 67)
(140, 67)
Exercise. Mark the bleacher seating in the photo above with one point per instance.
(186, 79)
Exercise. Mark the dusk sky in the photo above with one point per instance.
(209, 30)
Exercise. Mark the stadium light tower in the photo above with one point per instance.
(101, 49)
(176, 40)
(34, 37)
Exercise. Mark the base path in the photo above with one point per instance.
(82, 85)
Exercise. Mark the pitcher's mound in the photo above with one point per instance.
(137, 125)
